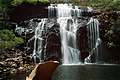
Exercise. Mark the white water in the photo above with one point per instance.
(68, 41)
(94, 39)
(68, 28)
(38, 40)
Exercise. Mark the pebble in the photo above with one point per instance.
(13, 71)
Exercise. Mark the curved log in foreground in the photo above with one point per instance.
(43, 71)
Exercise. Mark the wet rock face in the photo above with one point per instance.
(109, 33)
(82, 42)
(52, 44)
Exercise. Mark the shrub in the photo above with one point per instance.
(115, 4)
(8, 39)
(18, 2)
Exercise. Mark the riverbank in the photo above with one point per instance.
(13, 62)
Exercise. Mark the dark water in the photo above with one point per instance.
(80, 72)
(18, 77)
(21, 76)
(87, 72)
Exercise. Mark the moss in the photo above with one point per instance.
(6, 35)
(8, 39)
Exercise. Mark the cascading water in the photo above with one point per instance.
(68, 39)
(38, 40)
(68, 28)
(94, 39)
(67, 17)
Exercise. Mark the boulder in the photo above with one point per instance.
(82, 42)
(53, 47)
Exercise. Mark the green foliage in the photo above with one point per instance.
(115, 4)
(104, 4)
(17, 2)
(5, 3)
(6, 35)
(9, 40)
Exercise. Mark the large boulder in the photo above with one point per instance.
(53, 44)
(82, 42)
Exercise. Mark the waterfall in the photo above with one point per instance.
(94, 39)
(68, 28)
(67, 16)
(68, 40)
(37, 52)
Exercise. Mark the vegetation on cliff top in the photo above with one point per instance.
(18, 2)
(97, 4)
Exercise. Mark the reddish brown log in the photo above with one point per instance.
(43, 71)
